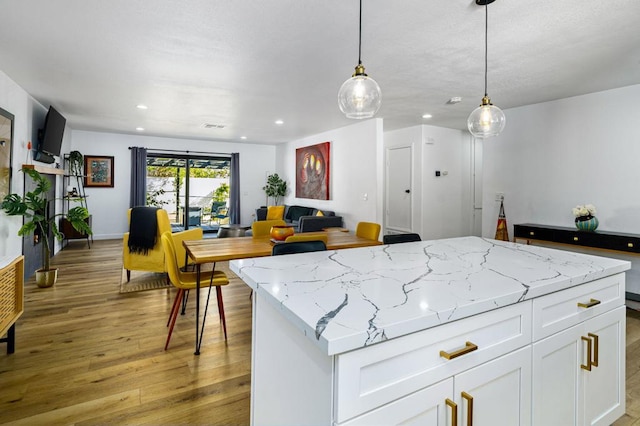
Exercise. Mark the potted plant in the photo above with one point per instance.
(34, 207)
(275, 187)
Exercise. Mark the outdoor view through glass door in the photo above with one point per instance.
(193, 189)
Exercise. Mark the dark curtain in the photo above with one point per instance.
(234, 189)
(138, 177)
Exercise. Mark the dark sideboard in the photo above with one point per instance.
(602, 240)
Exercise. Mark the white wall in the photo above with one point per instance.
(442, 206)
(109, 205)
(356, 170)
(28, 117)
(555, 155)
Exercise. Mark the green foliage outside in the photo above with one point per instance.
(221, 193)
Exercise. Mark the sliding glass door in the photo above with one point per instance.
(193, 189)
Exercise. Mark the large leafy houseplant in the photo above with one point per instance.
(34, 207)
(275, 187)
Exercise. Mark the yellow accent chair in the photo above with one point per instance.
(308, 236)
(185, 281)
(368, 230)
(154, 260)
(262, 228)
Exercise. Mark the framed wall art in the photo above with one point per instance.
(99, 171)
(312, 171)
(6, 138)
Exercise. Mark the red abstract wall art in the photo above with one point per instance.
(312, 171)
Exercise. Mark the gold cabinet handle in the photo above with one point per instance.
(630, 245)
(532, 233)
(589, 349)
(575, 238)
(589, 304)
(454, 411)
(594, 362)
(469, 347)
(469, 399)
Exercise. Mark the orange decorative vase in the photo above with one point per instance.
(281, 232)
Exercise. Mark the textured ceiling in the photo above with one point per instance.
(245, 64)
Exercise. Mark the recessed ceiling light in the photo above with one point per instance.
(454, 100)
(140, 129)
(279, 122)
(141, 106)
(427, 115)
(243, 137)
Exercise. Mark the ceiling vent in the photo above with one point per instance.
(213, 126)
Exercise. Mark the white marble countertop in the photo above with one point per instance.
(348, 299)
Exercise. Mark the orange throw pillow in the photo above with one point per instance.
(275, 212)
(319, 213)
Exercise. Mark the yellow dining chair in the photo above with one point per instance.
(368, 230)
(262, 228)
(153, 260)
(308, 236)
(185, 281)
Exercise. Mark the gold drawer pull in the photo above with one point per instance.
(469, 399)
(589, 348)
(595, 349)
(469, 347)
(454, 411)
(575, 238)
(532, 233)
(630, 245)
(589, 304)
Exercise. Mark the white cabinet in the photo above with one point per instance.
(515, 365)
(371, 377)
(425, 407)
(495, 393)
(579, 373)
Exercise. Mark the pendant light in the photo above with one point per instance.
(360, 96)
(487, 120)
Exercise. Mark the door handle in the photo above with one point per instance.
(454, 411)
(469, 399)
(469, 347)
(589, 349)
(592, 302)
(594, 362)
(408, 191)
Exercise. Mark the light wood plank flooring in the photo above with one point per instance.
(86, 354)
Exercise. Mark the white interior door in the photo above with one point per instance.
(399, 191)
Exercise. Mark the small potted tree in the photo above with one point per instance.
(275, 187)
(34, 207)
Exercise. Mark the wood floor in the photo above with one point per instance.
(86, 354)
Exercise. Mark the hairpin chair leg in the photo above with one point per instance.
(174, 307)
(204, 317)
(221, 310)
(184, 302)
(174, 317)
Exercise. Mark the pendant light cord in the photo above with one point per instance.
(360, 36)
(486, 44)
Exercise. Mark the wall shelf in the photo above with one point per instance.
(44, 169)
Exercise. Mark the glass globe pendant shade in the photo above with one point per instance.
(360, 96)
(487, 120)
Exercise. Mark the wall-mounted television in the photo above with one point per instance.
(51, 138)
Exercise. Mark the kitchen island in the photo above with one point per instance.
(435, 330)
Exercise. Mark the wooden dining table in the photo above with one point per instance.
(212, 250)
